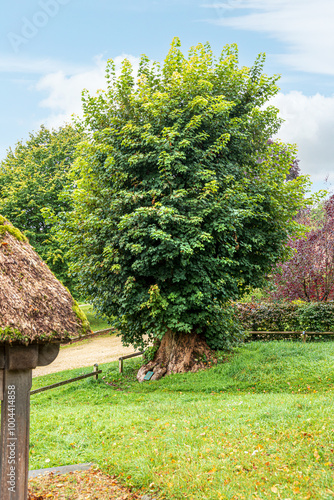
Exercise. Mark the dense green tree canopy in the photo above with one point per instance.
(32, 178)
(182, 201)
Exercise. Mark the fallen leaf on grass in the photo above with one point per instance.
(212, 470)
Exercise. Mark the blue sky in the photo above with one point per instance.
(51, 49)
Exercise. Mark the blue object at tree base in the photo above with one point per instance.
(148, 376)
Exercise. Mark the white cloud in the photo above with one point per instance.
(64, 91)
(309, 122)
(305, 26)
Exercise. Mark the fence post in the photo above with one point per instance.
(120, 365)
(304, 336)
(96, 369)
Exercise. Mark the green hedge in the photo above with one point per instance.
(292, 316)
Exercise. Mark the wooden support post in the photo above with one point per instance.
(2, 366)
(304, 336)
(1, 384)
(120, 360)
(15, 419)
(96, 370)
(17, 362)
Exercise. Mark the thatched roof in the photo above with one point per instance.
(34, 305)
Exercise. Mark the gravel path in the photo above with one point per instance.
(101, 349)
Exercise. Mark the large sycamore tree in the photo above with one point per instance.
(183, 200)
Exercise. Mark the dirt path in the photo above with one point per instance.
(102, 349)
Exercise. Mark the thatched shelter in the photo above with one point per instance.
(34, 305)
(37, 313)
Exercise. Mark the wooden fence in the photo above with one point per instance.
(94, 374)
(90, 335)
(120, 360)
(266, 335)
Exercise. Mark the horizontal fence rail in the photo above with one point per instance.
(90, 335)
(292, 334)
(94, 374)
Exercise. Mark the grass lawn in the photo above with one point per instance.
(95, 323)
(258, 426)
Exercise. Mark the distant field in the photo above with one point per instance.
(95, 323)
(260, 425)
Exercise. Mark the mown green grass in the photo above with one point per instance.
(95, 322)
(259, 425)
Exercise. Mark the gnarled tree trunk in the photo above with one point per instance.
(178, 353)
